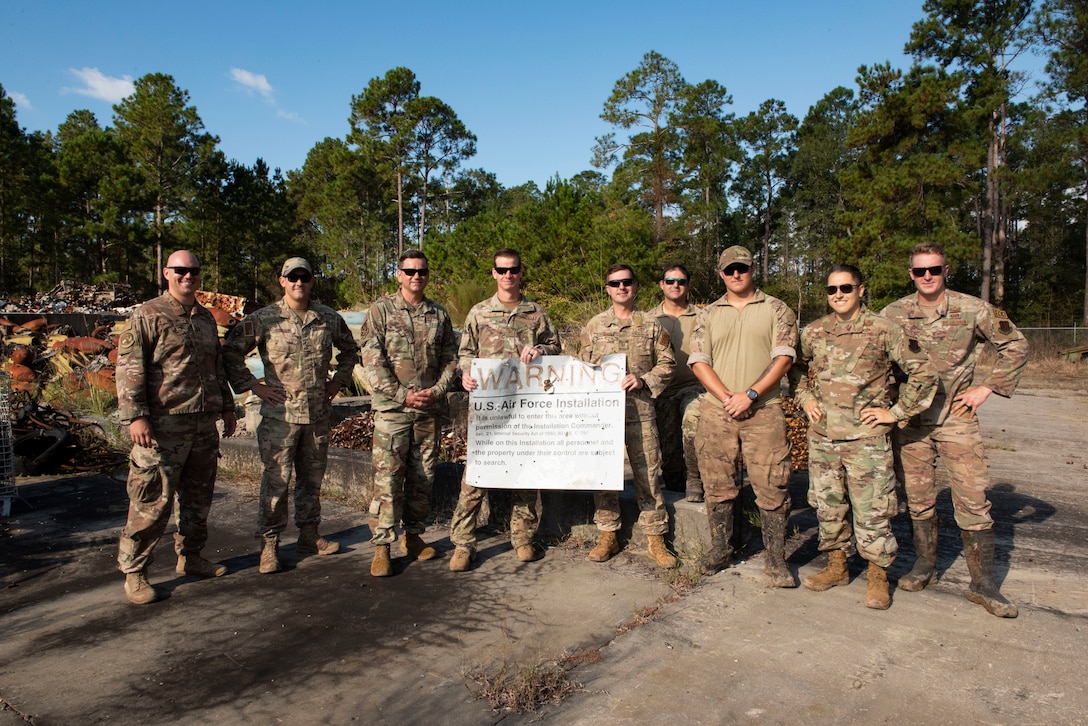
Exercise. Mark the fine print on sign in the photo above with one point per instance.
(555, 423)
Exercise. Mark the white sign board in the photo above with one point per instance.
(555, 423)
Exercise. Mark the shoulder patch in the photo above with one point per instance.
(914, 346)
(127, 341)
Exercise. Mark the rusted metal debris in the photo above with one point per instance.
(357, 433)
(74, 297)
(90, 450)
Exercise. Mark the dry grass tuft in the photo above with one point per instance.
(522, 688)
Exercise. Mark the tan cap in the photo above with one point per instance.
(735, 255)
(295, 263)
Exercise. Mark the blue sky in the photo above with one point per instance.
(271, 79)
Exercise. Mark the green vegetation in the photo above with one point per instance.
(949, 149)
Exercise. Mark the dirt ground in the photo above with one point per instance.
(323, 642)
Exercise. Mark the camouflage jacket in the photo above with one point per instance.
(297, 353)
(952, 343)
(847, 367)
(491, 331)
(683, 376)
(407, 347)
(168, 362)
(641, 337)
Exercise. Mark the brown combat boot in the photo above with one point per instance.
(659, 553)
(876, 592)
(310, 541)
(924, 533)
(606, 548)
(774, 546)
(382, 566)
(462, 559)
(270, 559)
(833, 575)
(413, 546)
(720, 555)
(527, 553)
(198, 566)
(978, 550)
(138, 590)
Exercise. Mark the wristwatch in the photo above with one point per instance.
(752, 394)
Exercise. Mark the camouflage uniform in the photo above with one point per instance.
(737, 345)
(650, 357)
(492, 331)
(677, 407)
(847, 367)
(951, 339)
(169, 369)
(405, 347)
(296, 348)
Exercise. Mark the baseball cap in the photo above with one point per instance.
(735, 255)
(295, 263)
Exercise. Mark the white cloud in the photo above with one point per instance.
(20, 100)
(254, 82)
(100, 86)
(289, 116)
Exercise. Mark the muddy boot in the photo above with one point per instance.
(310, 541)
(694, 491)
(198, 566)
(876, 592)
(462, 559)
(270, 558)
(381, 566)
(925, 550)
(774, 546)
(659, 553)
(413, 546)
(978, 550)
(138, 590)
(606, 547)
(720, 555)
(831, 576)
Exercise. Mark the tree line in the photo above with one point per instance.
(951, 149)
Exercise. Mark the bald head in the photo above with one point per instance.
(182, 273)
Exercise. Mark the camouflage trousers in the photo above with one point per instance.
(958, 442)
(404, 455)
(677, 423)
(854, 480)
(286, 449)
(644, 454)
(761, 438)
(524, 518)
(182, 463)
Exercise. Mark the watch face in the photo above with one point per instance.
(752, 394)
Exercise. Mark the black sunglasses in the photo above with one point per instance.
(422, 271)
(183, 271)
(512, 270)
(935, 271)
(299, 276)
(625, 282)
(675, 281)
(733, 269)
(845, 289)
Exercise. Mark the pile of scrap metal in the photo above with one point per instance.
(47, 358)
(74, 297)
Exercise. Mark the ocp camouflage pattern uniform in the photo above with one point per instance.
(740, 345)
(649, 356)
(847, 367)
(492, 331)
(677, 407)
(405, 348)
(297, 349)
(169, 369)
(951, 335)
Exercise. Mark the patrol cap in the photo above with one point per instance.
(735, 255)
(295, 263)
